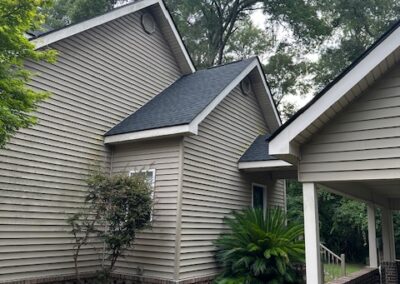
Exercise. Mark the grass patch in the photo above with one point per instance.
(334, 271)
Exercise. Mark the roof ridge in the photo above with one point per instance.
(229, 63)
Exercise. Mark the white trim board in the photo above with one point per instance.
(281, 145)
(152, 133)
(205, 112)
(255, 64)
(269, 95)
(263, 165)
(71, 30)
(177, 36)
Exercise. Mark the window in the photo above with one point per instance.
(151, 179)
(150, 176)
(259, 196)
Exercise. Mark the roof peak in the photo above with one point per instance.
(163, 19)
(348, 68)
(229, 63)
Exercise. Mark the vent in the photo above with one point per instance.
(148, 23)
(245, 86)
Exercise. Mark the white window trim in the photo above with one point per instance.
(264, 194)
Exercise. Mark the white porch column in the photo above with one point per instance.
(373, 257)
(311, 234)
(389, 253)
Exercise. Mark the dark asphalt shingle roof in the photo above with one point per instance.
(258, 151)
(181, 102)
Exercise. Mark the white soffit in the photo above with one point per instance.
(263, 165)
(269, 95)
(149, 134)
(281, 143)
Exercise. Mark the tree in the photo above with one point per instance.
(356, 25)
(260, 248)
(208, 25)
(116, 208)
(343, 222)
(66, 12)
(17, 101)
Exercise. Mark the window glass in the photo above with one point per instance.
(258, 196)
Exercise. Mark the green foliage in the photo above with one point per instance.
(343, 222)
(247, 41)
(208, 27)
(259, 249)
(116, 208)
(17, 100)
(286, 73)
(355, 24)
(65, 12)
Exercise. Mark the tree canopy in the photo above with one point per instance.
(355, 24)
(17, 101)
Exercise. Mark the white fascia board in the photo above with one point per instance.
(177, 36)
(205, 112)
(270, 98)
(263, 164)
(255, 64)
(91, 23)
(152, 133)
(280, 145)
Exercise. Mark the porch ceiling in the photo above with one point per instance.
(380, 192)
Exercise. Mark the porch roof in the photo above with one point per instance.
(257, 157)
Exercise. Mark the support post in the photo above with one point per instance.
(373, 256)
(311, 233)
(389, 253)
(343, 264)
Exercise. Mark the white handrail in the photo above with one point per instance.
(334, 266)
(330, 252)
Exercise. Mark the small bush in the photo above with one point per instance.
(260, 249)
(117, 207)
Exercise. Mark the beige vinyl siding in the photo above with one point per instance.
(363, 141)
(212, 184)
(154, 249)
(276, 195)
(101, 76)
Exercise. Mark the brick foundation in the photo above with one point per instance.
(116, 279)
(364, 276)
(127, 279)
(389, 272)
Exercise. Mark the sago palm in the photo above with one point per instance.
(259, 248)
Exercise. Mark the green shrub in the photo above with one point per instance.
(116, 208)
(260, 248)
